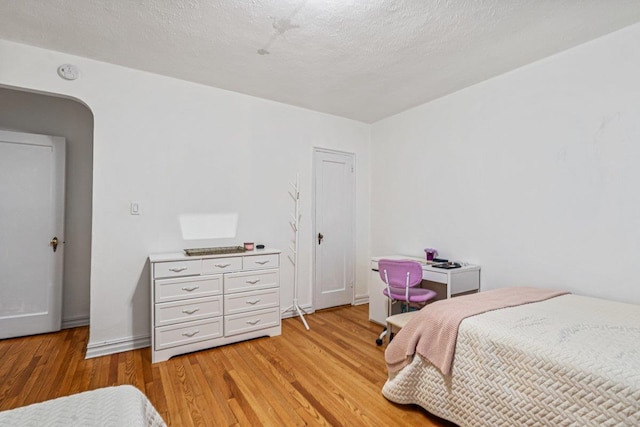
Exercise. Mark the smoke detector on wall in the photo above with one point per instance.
(68, 72)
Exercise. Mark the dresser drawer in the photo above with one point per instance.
(255, 300)
(177, 268)
(239, 282)
(185, 333)
(256, 262)
(252, 321)
(184, 288)
(221, 265)
(192, 309)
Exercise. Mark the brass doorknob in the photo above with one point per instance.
(54, 243)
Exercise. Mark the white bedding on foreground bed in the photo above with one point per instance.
(570, 360)
(105, 407)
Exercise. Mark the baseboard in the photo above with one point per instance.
(308, 309)
(361, 299)
(75, 321)
(117, 346)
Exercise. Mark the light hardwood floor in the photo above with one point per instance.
(330, 375)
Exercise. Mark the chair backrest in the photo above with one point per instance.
(396, 272)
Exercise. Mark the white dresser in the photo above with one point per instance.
(199, 302)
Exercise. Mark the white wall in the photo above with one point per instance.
(533, 174)
(48, 115)
(179, 147)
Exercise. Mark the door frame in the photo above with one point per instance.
(317, 150)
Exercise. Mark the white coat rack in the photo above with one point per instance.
(295, 221)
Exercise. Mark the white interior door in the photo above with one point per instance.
(31, 216)
(334, 228)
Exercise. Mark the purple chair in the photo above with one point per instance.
(402, 277)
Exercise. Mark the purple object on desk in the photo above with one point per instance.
(431, 253)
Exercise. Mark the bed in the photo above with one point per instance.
(106, 407)
(566, 361)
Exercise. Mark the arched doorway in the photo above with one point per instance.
(22, 111)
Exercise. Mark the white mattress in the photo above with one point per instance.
(567, 361)
(112, 406)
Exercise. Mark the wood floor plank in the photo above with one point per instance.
(14, 347)
(155, 391)
(59, 353)
(338, 385)
(276, 400)
(173, 416)
(82, 376)
(216, 390)
(331, 375)
(242, 409)
(255, 398)
(185, 392)
(14, 365)
(285, 379)
(243, 419)
(206, 400)
(320, 381)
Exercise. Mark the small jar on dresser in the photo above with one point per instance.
(199, 302)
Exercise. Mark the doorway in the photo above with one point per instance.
(32, 173)
(334, 225)
(46, 114)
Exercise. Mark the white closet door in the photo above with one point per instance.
(31, 216)
(334, 228)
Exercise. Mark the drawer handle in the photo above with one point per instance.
(193, 310)
(190, 334)
(190, 288)
(177, 269)
(253, 282)
(253, 322)
(254, 302)
(262, 262)
(222, 265)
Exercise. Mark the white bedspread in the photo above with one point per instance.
(111, 406)
(567, 361)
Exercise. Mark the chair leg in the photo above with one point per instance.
(381, 337)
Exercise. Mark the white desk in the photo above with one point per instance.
(446, 283)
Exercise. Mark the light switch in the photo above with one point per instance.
(135, 208)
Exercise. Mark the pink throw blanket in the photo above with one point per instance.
(432, 332)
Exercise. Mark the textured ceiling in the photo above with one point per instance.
(361, 59)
